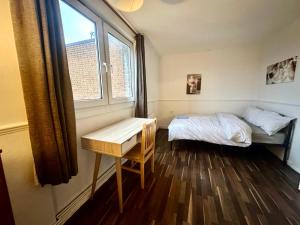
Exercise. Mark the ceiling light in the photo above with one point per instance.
(126, 5)
(172, 1)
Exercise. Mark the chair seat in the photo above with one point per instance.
(135, 153)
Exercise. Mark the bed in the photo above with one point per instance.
(227, 129)
(210, 128)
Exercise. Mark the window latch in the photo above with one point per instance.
(105, 66)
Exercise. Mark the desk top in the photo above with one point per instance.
(119, 132)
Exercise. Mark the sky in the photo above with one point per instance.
(76, 26)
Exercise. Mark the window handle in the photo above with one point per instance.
(105, 66)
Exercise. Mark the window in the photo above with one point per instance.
(91, 46)
(80, 34)
(119, 56)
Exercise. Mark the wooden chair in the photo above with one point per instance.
(142, 152)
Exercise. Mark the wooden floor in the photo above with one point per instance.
(200, 183)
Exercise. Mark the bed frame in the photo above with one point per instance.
(289, 132)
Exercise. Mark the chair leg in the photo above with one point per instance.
(142, 175)
(152, 163)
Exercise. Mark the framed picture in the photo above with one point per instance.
(282, 72)
(193, 84)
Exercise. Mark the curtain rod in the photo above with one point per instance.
(118, 15)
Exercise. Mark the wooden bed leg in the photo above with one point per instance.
(171, 145)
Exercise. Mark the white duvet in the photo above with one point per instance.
(220, 128)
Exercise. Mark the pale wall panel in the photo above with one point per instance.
(284, 97)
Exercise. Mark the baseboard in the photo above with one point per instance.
(163, 124)
(69, 210)
(165, 127)
(293, 166)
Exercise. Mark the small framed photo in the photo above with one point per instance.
(193, 84)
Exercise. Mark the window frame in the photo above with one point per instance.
(87, 103)
(103, 27)
(108, 29)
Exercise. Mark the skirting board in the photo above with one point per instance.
(67, 212)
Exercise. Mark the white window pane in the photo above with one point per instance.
(82, 52)
(121, 71)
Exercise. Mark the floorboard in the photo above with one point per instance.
(199, 183)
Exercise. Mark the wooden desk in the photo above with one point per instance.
(115, 140)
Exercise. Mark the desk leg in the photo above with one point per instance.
(119, 182)
(96, 170)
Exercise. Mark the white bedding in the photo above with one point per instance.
(220, 128)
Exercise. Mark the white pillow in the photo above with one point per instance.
(251, 115)
(272, 122)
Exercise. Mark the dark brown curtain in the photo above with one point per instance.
(141, 109)
(47, 88)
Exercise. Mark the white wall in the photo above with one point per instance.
(228, 81)
(285, 97)
(152, 73)
(34, 205)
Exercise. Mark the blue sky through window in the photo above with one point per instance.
(76, 26)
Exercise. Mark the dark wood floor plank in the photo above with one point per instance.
(200, 184)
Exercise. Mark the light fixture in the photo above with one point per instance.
(172, 2)
(126, 5)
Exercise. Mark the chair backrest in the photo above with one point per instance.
(148, 137)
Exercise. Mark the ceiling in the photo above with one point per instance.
(176, 26)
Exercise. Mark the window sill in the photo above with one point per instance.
(93, 111)
(86, 104)
(120, 101)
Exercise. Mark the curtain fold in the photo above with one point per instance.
(47, 88)
(141, 108)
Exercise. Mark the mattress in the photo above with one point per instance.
(260, 136)
(206, 128)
